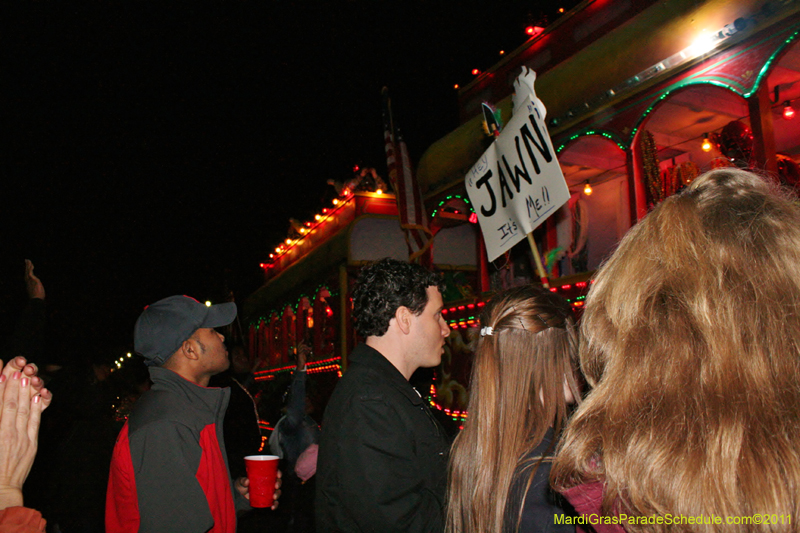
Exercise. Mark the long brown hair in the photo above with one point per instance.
(691, 340)
(516, 394)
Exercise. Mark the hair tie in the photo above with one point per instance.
(488, 330)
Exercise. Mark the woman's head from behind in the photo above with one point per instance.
(692, 341)
(525, 359)
(523, 376)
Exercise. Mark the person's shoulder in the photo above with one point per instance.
(158, 407)
(360, 388)
(365, 384)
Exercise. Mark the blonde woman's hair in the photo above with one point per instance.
(516, 393)
(691, 340)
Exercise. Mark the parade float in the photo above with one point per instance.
(641, 97)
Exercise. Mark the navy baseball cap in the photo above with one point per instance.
(163, 326)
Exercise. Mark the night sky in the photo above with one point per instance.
(158, 148)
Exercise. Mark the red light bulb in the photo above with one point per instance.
(788, 111)
(533, 30)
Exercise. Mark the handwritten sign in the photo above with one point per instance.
(517, 183)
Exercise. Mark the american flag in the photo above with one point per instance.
(413, 217)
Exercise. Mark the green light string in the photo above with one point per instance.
(608, 135)
(450, 197)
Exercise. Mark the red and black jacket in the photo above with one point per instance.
(169, 472)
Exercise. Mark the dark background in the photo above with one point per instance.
(159, 148)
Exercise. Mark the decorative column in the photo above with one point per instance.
(760, 107)
(636, 177)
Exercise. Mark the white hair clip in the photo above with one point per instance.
(488, 330)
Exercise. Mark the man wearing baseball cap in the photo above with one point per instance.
(169, 470)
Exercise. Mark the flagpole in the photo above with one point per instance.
(385, 94)
(410, 206)
(538, 260)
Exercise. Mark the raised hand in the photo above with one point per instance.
(32, 283)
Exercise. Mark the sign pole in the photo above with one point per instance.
(538, 261)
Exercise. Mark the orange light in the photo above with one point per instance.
(288, 241)
(302, 231)
(502, 52)
(335, 201)
(455, 86)
(278, 250)
(272, 256)
(560, 9)
(475, 72)
(587, 190)
(262, 265)
(317, 217)
(788, 110)
(706, 146)
(379, 191)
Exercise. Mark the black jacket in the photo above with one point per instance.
(542, 504)
(382, 457)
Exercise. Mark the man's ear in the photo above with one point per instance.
(403, 317)
(189, 349)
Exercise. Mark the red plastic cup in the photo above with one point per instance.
(262, 470)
